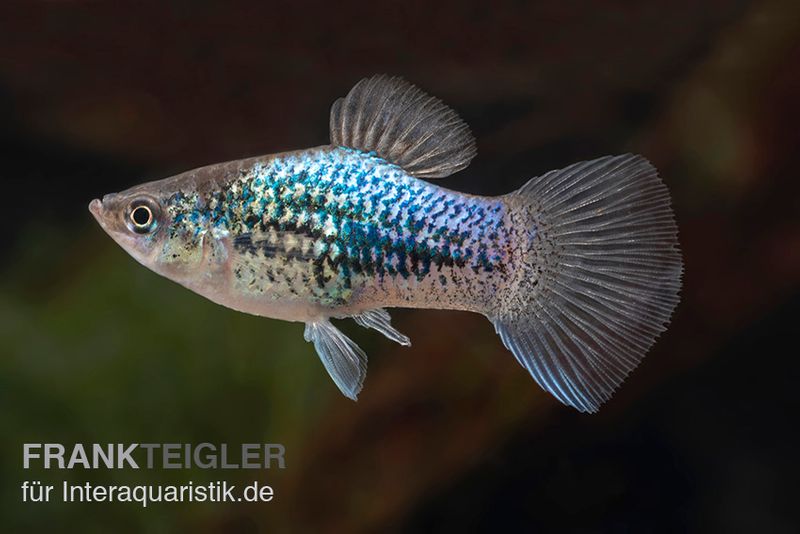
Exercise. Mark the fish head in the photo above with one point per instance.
(147, 222)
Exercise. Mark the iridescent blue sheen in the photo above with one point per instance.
(366, 217)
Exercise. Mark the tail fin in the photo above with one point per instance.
(600, 276)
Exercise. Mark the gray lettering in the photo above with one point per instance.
(124, 455)
(78, 456)
(150, 447)
(53, 451)
(250, 451)
(28, 454)
(171, 452)
(225, 464)
(210, 459)
(106, 455)
(274, 451)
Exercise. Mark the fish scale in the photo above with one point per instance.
(578, 270)
(414, 230)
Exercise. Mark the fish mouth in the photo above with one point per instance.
(96, 208)
(98, 211)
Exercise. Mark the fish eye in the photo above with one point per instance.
(141, 216)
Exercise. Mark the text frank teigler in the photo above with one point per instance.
(56, 456)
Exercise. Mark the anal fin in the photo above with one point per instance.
(379, 319)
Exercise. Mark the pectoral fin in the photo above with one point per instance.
(379, 319)
(344, 360)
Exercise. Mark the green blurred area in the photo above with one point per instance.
(108, 352)
(450, 434)
(105, 351)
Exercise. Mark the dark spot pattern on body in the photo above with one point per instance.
(302, 197)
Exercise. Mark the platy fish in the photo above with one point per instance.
(578, 270)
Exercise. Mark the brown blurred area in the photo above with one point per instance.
(450, 435)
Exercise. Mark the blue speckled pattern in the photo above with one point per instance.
(348, 221)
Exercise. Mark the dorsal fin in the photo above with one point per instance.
(404, 126)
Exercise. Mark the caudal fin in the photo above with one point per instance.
(599, 279)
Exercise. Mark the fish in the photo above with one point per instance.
(579, 270)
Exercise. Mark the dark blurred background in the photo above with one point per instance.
(450, 435)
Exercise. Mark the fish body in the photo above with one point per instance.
(333, 231)
(576, 265)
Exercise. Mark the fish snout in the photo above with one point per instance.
(96, 208)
